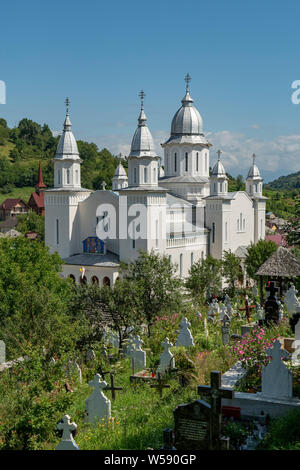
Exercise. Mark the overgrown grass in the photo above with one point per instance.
(22, 193)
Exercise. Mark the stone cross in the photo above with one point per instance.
(97, 405)
(74, 371)
(223, 311)
(215, 392)
(185, 337)
(67, 441)
(102, 373)
(160, 386)
(112, 387)
(276, 377)
(103, 184)
(137, 353)
(2, 352)
(247, 308)
(167, 360)
(90, 355)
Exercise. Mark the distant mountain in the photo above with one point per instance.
(291, 181)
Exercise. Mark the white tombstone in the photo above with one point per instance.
(291, 300)
(223, 312)
(296, 345)
(67, 441)
(2, 352)
(97, 405)
(227, 302)
(74, 371)
(280, 311)
(276, 377)
(206, 332)
(90, 355)
(167, 360)
(254, 291)
(138, 355)
(185, 337)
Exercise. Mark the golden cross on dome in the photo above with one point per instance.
(187, 79)
(142, 96)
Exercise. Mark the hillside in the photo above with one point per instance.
(290, 182)
(22, 147)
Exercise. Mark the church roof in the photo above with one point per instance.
(120, 172)
(218, 169)
(253, 170)
(282, 263)
(93, 259)
(142, 144)
(67, 146)
(183, 179)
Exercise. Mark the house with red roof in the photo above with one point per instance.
(36, 200)
(277, 238)
(12, 208)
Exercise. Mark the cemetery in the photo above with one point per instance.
(217, 370)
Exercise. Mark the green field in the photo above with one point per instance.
(23, 193)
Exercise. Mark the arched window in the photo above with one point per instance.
(68, 176)
(206, 162)
(197, 161)
(59, 177)
(145, 175)
(213, 232)
(186, 162)
(95, 280)
(77, 176)
(72, 278)
(192, 259)
(57, 231)
(225, 231)
(202, 254)
(134, 175)
(181, 265)
(154, 175)
(175, 162)
(238, 225)
(215, 187)
(106, 281)
(221, 187)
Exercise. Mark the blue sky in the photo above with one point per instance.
(242, 57)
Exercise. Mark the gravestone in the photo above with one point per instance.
(67, 441)
(90, 355)
(215, 393)
(225, 329)
(228, 305)
(167, 360)
(271, 305)
(277, 380)
(185, 336)
(223, 311)
(206, 332)
(193, 426)
(74, 371)
(97, 405)
(291, 300)
(2, 352)
(138, 355)
(280, 311)
(254, 291)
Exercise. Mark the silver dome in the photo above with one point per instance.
(120, 172)
(142, 143)
(218, 169)
(253, 170)
(67, 146)
(187, 120)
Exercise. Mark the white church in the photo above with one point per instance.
(181, 211)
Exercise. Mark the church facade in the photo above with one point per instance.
(182, 211)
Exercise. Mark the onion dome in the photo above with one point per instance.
(142, 144)
(187, 120)
(67, 146)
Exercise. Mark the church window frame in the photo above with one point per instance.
(175, 162)
(145, 175)
(213, 232)
(134, 175)
(57, 231)
(197, 161)
(68, 175)
(186, 161)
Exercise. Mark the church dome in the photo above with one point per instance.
(218, 169)
(253, 170)
(67, 145)
(187, 120)
(120, 171)
(142, 144)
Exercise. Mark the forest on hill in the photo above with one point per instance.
(22, 147)
(289, 182)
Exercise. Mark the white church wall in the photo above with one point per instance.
(242, 232)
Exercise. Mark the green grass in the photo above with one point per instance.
(23, 193)
(5, 149)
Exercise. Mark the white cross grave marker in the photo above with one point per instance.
(67, 441)
(97, 405)
(166, 358)
(276, 377)
(185, 337)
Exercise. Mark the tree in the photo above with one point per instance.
(31, 222)
(257, 254)
(205, 275)
(231, 269)
(98, 307)
(34, 298)
(239, 183)
(157, 286)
